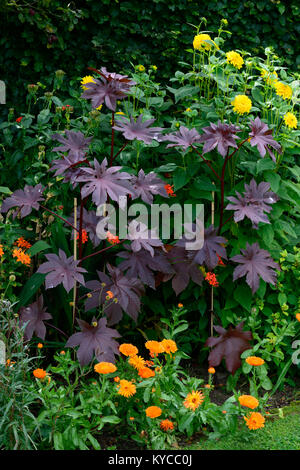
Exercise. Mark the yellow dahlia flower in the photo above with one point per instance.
(235, 59)
(290, 120)
(241, 104)
(200, 42)
(283, 90)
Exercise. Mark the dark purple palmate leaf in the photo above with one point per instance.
(255, 263)
(261, 136)
(184, 138)
(26, 199)
(219, 135)
(142, 237)
(74, 143)
(109, 88)
(34, 316)
(141, 264)
(211, 250)
(146, 186)
(137, 129)
(229, 345)
(89, 223)
(68, 166)
(95, 339)
(61, 270)
(127, 291)
(103, 182)
(253, 204)
(185, 270)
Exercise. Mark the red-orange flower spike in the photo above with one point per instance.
(220, 261)
(84, 236)
(22, 243)
(170, 190)
(1, 250)
(113, 239)
(211, 279)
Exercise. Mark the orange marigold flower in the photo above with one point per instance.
(113, 239)
(298, 316)
(126, 388)
(180, 305)
(105, 368)
(1, 250)
(193, 400)
(21, 256)
(110, 294)
(39, 373)
(207, 386)
(84, 236)
(62, 353)
(169, 346)
(211, 370)
(21, 243)
(117, 379)
(40, 345)
(212, 279)
(249, 401)
(255, 361)
(131, 418)
(170, 190)
(145, 373)
(154, 347)
(224, 412)
(10, 363)
(153, 411)
(137, 362)
(255, 420)
(128, 349)
(166, 425)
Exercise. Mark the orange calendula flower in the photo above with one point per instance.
(84, 236)
(117, 379)
(170, 190)
(128, 349)
(39, 373)
(105, 368)
(211, 279)
(248, 401)
(113, 239)
(62, 353)
(145, 373)
(166, 425)
(110, 294)
(169, 346)
(207, 386)
(126, 388)
(193, 400)
(211, 370)
(154, 347)
(255, 420)
(224, 412)
(10, 363)
(1, 250)
(180, 305)
(40, 345)
(298, 316)
(149, 363)
(153, 411)
(131, 418)
(21, 256)
(137, 362)
(255, 361)
(22, 243)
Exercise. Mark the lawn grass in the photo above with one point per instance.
(278, 434)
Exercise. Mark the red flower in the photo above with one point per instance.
(211, 279)
(19, 119)
(84, 236)
(170, 190)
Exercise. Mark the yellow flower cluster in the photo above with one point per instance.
(290, 120)
(241, 104)
(235, 59)
(200, 42)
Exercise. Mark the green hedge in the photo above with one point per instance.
(49, 35)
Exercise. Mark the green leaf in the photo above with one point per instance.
(243, 296)
(30, 288)
(93, 441)
(264, 164)
(5, 190)
(111, 419)
(273, 179)
(38, 247)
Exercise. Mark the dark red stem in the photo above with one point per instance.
(61, 218)
(96, 253)
(207, 163)
(112, 138)
(118, 153)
